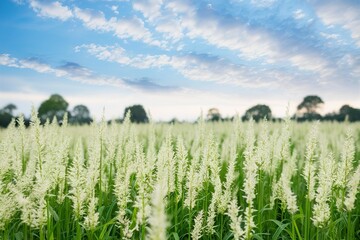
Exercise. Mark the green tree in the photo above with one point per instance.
(80, 115)
(349, 113)
(54, 106)
(10, 108)
(138, 114)
(258, 112)
(310, 104)
(213, 115)
(307, 109)
(6, 115)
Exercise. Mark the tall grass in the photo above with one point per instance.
(204, 181)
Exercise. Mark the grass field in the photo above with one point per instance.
(229, 180)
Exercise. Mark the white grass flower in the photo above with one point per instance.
(8, 206)
(321, 212)
(182, 166)
(143, 185)
(235, 219)
(250, 181)
(77, 183)
(353, 187)
(309, 172)
(230, 178)
(345, 168)
(91, 220)
(198, 226)
(158, 219)
(282, 188)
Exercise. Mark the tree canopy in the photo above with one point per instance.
(350, 113)
(6, 115)
(307, 109)
(310, 104)
(9, 108)
(54, 106)
(80, 115)
(138, 114)
(213, 115)
(258, 112)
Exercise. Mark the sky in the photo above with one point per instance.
(180, 57)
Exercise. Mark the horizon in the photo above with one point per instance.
(178, 58)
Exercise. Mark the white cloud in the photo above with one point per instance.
(132, 28)
(115, 8)
(197, 67)
(6, 60)
(51, 9)
(76, 72)
(340, 12)
(123, 28)
(35, 65)
(251, 42)
(94, 20)
(149, 8)
(71, 71)
(171, 28)
(298, 14)
(263, 3)
(329, 36)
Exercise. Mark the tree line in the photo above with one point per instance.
(307, 110)
(56, 107)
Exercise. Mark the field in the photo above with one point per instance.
(231, 180)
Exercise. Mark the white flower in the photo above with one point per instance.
(196, 232)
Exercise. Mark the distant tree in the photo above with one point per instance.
(54, 106)
(258, 112)
(138, 114)
(307, 109)
(333, 116)
(80, 115)
(9, 108)
(310, 104)
(6, 115)
(213, 115)
(349, 113)
(5, 119)
(174, 121)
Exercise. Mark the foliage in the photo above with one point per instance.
(138, 114)
(350, 113)
(80, 115)
(310, 104)
(5, 119)
(9, 108)
(6, 115)
(55, 106)
(258, 112)
(213, 115)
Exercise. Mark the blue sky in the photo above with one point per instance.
(179, 57)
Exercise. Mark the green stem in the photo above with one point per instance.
(260, 201)
(296, 228)
(143, 231)
(78, 230)
(189, 234)
(42, 235)
(25, 232)
(176, 213)
(221, 225)
(100, 173)
(349, 226)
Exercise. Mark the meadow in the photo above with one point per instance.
(225, 180)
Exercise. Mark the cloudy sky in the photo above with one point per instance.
(179, 57)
